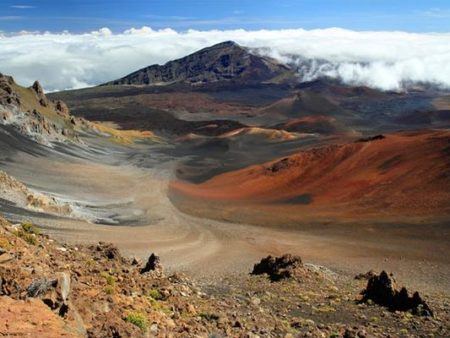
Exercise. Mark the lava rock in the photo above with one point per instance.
(278, 267)
(109, 251)
(62, 108)
(153, 264)
(369, 274)
(372, 138)
(382, 290)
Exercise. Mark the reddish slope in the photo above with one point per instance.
(404, 173)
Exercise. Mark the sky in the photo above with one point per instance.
(68, 44)
(118, 15)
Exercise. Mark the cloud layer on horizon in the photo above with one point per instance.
(384, 60)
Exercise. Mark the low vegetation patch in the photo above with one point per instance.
(139, 319)
(110, 280)
(155, 294)
(109, 290)
(30, 228)
(28, 232)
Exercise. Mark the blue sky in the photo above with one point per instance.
(87, 15)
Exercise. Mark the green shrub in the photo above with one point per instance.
(28, 227)
(109, 290)
(27, 237)
(139, 319)
(30, 239)
(155, 294)
(110, 280)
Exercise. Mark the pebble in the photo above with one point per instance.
(255, 301)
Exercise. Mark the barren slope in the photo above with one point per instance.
(401, 174)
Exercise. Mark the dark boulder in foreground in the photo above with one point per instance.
(153, 264)
(278, 268)
(382, 290)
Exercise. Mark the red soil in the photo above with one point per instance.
(406, 173)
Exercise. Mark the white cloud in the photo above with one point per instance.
(379, 59)
(22, 6)
(436, 13)
(10, 17)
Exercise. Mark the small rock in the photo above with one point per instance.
(136, 261)
(154, 329)
(191, 309)
(5, 257)
(369, 274)
(255, 301)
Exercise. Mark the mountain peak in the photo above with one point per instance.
(221, 63)
(225, 44)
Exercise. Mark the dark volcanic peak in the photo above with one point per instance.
(224, 62)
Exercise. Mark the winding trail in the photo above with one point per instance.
(207, 249)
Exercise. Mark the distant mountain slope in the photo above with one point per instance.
(401, 173)
(226, 61)
(32, 114)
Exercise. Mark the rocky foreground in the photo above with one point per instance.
(49, 289)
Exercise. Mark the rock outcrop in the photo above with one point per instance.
(277, 268)
(382, 290)
(32, 114)
(153, 264)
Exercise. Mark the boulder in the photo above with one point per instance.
(62, 108)
(63, 286)
(153, 264)
(108, 250)
(382, 290)
(37, 88)
(278, 268)
(40, 287)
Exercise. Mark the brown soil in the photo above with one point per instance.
(129, 303)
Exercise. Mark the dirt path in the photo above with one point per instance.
(209, 249)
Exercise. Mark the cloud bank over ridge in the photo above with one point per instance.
(384, 60)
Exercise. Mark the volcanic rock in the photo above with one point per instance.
(369, 274)
(372, 138)
(39, 287)
(382, 290)
(62, 108)
(221, 63)
(37, 88)
(279, 165)
(108, 250)
(278, 267)
(153, 264)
